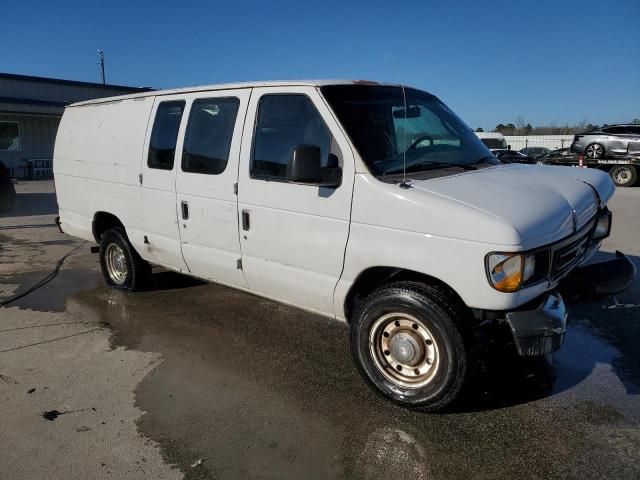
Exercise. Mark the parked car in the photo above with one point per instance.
(534, 152)
(7, 190)
(561, 156)
(612, 140)
(306, 193)
(512, 156)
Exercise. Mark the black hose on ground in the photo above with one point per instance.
(45, 280)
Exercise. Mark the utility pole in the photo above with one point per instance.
(101, 62)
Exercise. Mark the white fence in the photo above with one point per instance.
(518, 142)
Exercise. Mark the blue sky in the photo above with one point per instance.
(491, 61)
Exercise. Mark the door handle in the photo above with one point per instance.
(246, 222)
(185, 210)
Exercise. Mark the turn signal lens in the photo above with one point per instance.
(506, 271)
(529, 267)
(603, 226)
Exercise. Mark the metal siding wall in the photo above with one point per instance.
(38, 132)
(37, 138)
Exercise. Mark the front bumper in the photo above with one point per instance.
(540, 330)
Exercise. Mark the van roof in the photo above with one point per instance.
(232, 86)
(489, 134)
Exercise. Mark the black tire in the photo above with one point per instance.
(138, 272)
(624, 175)
(442, 317)
(594, 151)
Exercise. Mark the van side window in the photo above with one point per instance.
(164, 136)
(209, 133)
(284, 122)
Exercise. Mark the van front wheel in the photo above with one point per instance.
(121, 265)
(407, 343)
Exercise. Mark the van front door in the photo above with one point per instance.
(293, 236)
(158, 177)
(206, 183)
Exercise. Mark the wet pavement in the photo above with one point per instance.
(255, 389)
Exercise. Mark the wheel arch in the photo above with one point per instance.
(103, 221)
(373, 277)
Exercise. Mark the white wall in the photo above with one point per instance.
(518, 142)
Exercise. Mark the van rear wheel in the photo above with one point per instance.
(408, 345)
(121, 265)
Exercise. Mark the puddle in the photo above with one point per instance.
(52, 296)
(263, 390)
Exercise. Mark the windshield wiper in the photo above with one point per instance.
(431, 165)
(486, 159)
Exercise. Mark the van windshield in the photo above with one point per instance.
(426, 134)
(495, 143)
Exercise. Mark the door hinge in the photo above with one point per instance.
(239, 264)
(140, 178)
(235, 188)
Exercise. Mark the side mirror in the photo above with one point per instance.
(305, 167)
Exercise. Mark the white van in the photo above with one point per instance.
(493, 140)
(368, 203)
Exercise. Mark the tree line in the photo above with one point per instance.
(522, 128)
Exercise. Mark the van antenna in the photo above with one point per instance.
(404, 183)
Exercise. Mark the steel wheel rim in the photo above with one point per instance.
(116, 262)
(622, 175)
(404, 350)
(594, 151)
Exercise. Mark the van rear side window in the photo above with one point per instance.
(164, 136)
(209, 134)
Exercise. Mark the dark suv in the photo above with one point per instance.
(7, 191)
(612, 140)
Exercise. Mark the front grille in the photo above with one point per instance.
(567, 256)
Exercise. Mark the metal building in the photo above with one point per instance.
(30, 111)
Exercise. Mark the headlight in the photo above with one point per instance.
(603, 226)
(508, 272)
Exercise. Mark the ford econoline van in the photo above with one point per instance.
(369, 203)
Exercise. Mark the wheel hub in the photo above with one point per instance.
(622, 175)
(404, 350)
(116, 263)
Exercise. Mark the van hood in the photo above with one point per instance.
(543, 203)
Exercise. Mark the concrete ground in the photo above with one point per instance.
(197, 380)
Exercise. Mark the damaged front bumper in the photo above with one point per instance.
(541, 329)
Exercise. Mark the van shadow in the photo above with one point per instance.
(32, 204)
(169, 280)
